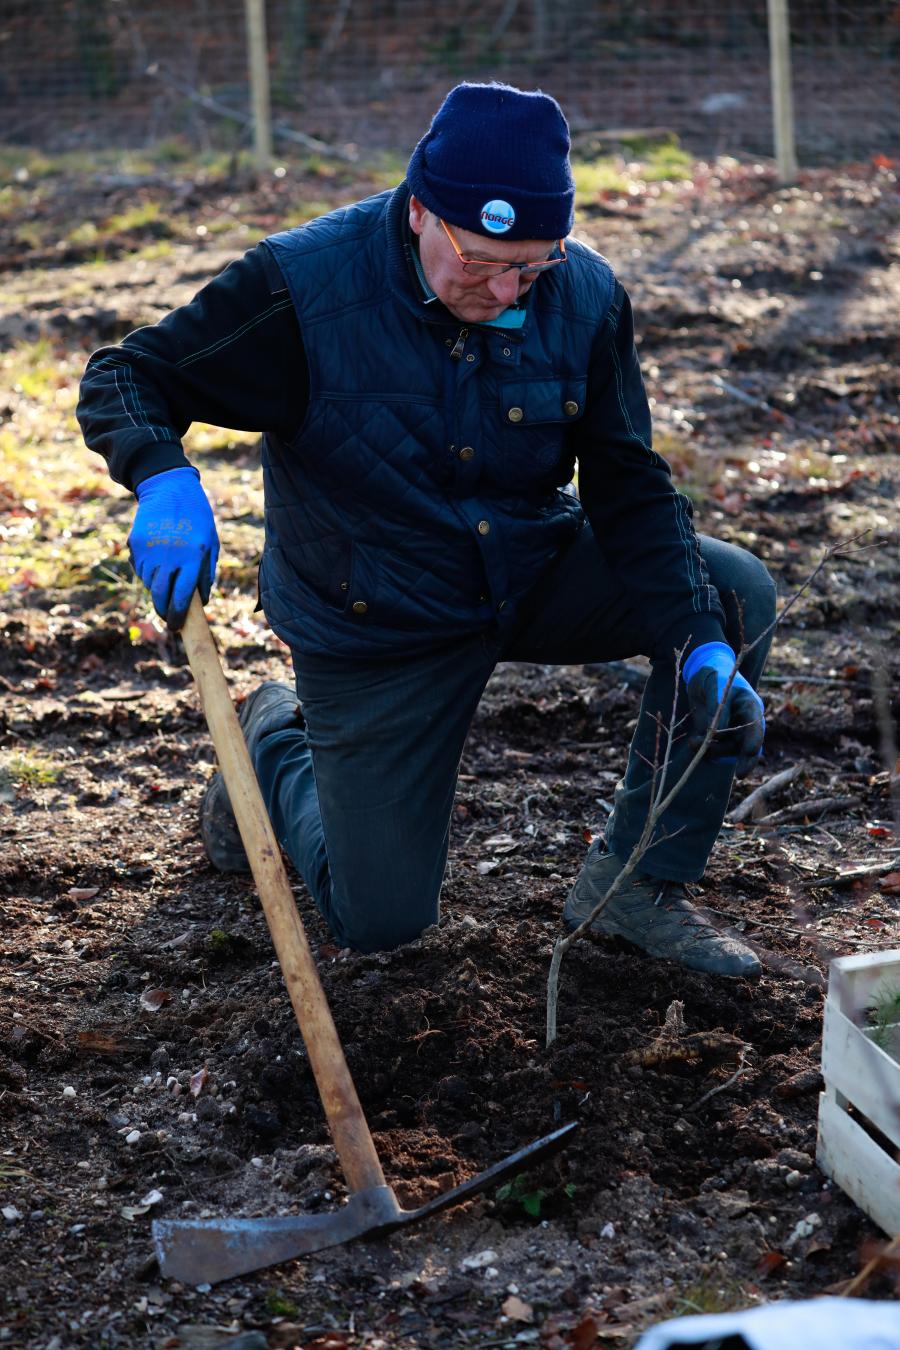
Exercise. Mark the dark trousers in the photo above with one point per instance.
(361, 797)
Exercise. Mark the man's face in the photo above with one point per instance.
(472, 298)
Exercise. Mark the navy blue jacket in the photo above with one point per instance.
(414, 468)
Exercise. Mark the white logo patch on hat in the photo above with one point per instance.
(498, 216)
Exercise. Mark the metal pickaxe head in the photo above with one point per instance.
(204, 1251)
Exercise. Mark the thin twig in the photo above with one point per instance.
(723, 1087)
(766, 789)
(888, 1253)
(812, 806)
(851, 874)
(754, 402)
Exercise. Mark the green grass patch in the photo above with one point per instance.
(279, 1305)
(28, 769)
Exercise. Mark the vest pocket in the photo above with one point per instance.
(534, 415)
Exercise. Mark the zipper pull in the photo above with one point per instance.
(459, 345)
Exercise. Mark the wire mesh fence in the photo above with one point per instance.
(369, 73)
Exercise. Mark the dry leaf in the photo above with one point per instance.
(769, 1262)
(82, 892)
(153, 999)
(584, 1335)
(108, 1043)
(890, 884)
(198, 1081)
(516, 1310)
(501, 843)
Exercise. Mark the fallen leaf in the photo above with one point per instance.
(82, 892)
(153, 999)
(198, 1081)
(501, 843)
(877, 831)
(108, 1043)
(516, 1310)
(769, 1262)
(584, 1335)
(132, 1212)
(890, 884)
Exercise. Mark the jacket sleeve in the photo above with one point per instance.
(641, 523)
(232, 357)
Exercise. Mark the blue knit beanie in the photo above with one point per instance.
(496, 161)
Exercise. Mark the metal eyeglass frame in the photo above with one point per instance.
(526, 269)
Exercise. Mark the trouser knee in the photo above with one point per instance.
(746, 590)
(382, 924)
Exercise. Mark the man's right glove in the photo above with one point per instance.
(742, 724)
(173, 542)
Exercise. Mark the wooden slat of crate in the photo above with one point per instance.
(855, 982)
(858, 1164)
(861, 1071)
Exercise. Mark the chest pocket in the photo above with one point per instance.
(535, 416)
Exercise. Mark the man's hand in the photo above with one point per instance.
(742, 724)
(173, 542)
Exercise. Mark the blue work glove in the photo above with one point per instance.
(173, 542)
(742, 724)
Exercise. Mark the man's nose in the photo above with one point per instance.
(505, 287)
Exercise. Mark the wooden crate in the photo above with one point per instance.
(862, 1078)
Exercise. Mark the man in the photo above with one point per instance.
(427, 367)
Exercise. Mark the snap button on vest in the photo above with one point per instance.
(360, 607)
(515, 414)
(470, 357)
(484, 527)
(570, 408)
(467, 452)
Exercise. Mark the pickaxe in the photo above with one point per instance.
(201, 1251)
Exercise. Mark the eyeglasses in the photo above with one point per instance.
(484, 267)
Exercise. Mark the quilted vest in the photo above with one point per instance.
(424, 493)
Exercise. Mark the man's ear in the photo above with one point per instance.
(418, 214)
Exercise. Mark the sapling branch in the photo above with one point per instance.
(662, 797)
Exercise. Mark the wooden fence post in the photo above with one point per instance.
(258, 62)
(782, 95)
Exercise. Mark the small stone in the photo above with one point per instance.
(608, 1230)
(793, 1180)
(256, 1162)
(69, 1092)
(132, 1136)
(478, 1260)
(11, 1214)
(795, 1159)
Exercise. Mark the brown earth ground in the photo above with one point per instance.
(768, 320)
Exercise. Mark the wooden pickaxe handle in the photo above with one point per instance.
(349, 1130)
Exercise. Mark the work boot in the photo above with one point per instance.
(656, 916)
(271, 707)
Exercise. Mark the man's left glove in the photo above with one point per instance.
(173, 542)
(742, 724)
